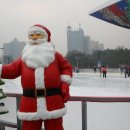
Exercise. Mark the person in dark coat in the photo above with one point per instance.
(126, 71)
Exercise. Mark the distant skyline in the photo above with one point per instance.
(18, 16)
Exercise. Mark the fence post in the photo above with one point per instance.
(84, 115)
(2, 127)
(18, 121)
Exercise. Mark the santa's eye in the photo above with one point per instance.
(38, 34)
(31, 35)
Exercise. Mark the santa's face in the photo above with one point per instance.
(38, 52)
(36, 38)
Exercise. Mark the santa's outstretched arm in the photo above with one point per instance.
(12, 70)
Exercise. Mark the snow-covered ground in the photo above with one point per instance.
(101, 116)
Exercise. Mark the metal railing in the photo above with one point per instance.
(83, 99)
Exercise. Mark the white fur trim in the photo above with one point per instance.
(36, 29)
(0, 70)
(39, 78)
(42, 112)
(66, 78)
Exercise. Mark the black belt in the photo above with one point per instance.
(41, 92)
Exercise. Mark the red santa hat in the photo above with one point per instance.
(42, 29)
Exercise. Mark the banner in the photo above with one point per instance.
(117, 13)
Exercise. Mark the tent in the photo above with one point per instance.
(116, 12)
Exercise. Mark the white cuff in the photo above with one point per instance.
(0, 70)
(66, 78)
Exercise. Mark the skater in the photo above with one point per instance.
(121, 68)
(95, 69)
(126, 71)
(104, 71)
(45, 78)
(76, 69)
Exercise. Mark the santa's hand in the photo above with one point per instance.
(65, 92)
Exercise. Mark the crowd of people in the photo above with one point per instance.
(102, 70)
(124, 69)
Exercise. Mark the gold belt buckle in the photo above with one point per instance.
(35, 93)
(44, 92)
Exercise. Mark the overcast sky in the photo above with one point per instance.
(17, 16)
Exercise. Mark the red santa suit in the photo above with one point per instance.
(48, 71)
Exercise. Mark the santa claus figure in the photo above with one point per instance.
(45, 78)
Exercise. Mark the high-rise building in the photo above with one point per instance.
(77, 41)
(12, 50)
(86, 45)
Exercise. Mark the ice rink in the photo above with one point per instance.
(100, 116)
(93, 84)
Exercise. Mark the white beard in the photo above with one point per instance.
(38, 41)
(41, 55)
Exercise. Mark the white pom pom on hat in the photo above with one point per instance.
(41, 28)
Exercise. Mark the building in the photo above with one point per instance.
(12, 50)
(78, 41)
(75, 40)
(86, 45)
(96, 46)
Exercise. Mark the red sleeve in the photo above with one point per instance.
(12, 70)
(65, 68)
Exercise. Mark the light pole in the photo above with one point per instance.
(98, 52)
(76, 57)
(77, 64)
(77, 61)
(2, 54)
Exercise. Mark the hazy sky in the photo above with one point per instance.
(17, 16)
